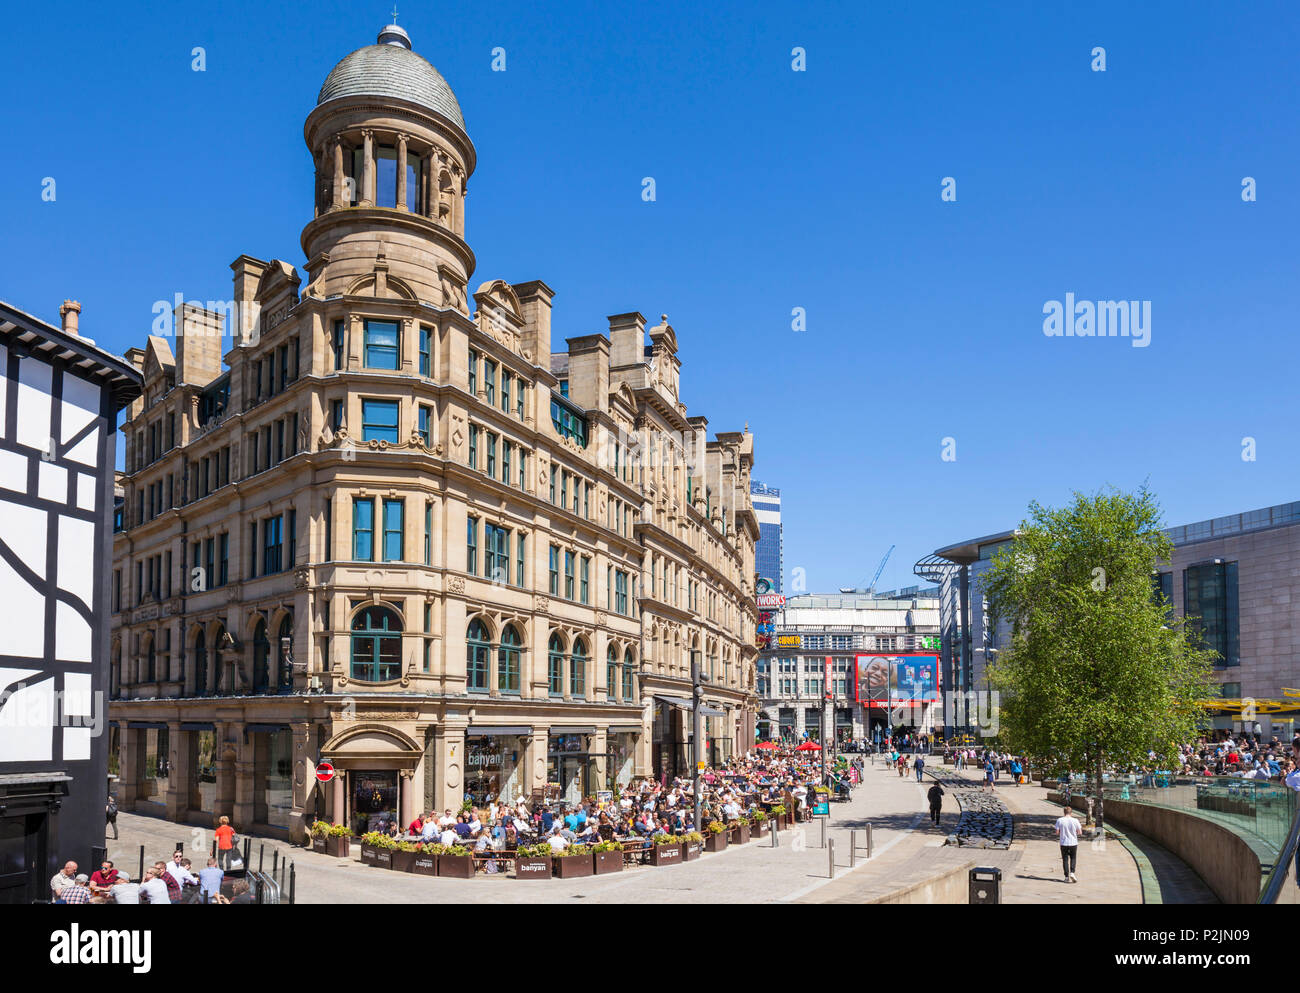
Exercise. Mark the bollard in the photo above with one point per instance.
(275, 859)
(853, 849)
(823, 820)
(775, 844)
(831, 849)
(214, 847)
(248, 853)
(868, 839)
(261, 856)
(293, 878)
(142, 863)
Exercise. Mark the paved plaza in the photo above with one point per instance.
(906, 847)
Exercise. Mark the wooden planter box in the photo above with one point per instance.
(318, 844)
(666, 854)
(692, 850)
(573, 866)
(532, 868)
(739, 835)
(384, 857)
(715, 842)
(456, 866)
(368, 853)
(424, 864)
(603, 862)
(402, 861)
(339, 847)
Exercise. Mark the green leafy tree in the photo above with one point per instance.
(1099, 672)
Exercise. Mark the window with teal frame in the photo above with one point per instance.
(381, 344)
(393, 530)
(555, 666)
(508, 660)
(376, 646)
(363, 529)
(478, 656)
(578, 670)
(379, 420)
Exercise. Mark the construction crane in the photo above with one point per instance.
(879, 569)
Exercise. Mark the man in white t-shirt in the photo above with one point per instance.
(1068, 830)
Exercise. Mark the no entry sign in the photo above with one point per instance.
(324, 772)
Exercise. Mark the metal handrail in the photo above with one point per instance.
(1282, 867)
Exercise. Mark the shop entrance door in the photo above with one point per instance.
(374, 797)
(23, 846)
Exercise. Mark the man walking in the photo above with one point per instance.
(936, 802)
(919, 766)
(1068, 830)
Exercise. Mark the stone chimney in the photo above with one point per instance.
(245, 324)
(70, 312)
(535, 306)
(626, 340)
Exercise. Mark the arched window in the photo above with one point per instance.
(201, 664)
(221, 679)
(284, 652)
(611, 673)
(508, 660)
(629, 676)
(555, 666)
(377, 645)
(478, 655)
(261, 658)
(578, 670)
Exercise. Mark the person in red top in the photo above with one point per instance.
(225, 842)
(416, 825)
(104, 877)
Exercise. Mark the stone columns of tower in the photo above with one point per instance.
(426, 183)
(401, 172)
(367, 198)
(339, 188)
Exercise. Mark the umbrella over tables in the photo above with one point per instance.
(809, 746)
(768, 745)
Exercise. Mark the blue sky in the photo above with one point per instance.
(775, 189)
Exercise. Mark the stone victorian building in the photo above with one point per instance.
(409, 539)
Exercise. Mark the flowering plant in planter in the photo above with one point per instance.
(566, 853)
(337, 830)
(693, 837)
(715, 827)
(758, 817)
(666, 839)
(320, 829)
(410, 846)
(607, 846)
(377, 839)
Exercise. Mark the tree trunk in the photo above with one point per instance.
(1101, 800)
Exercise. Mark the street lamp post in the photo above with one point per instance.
(698, 679)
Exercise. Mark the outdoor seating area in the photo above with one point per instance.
(647, 823)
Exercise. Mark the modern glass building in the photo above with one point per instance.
(1236, 575)
(770, 552)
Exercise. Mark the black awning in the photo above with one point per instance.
(146, 725)
(492, 731)
(676, 701)
(573, 730)
(198, 726)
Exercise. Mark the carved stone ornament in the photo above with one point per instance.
(300, 577)
(543, 605)
(602, 619)
(456, 584)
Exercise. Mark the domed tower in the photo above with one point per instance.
(392, 163)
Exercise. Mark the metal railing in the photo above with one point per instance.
(1276, 880)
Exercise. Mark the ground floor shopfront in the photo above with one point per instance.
(255, 759)
(795, 719)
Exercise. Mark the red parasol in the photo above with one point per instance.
(809, 746)
(767, 744)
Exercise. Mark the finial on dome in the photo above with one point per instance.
(393, 35)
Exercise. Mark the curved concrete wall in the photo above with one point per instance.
(1222, 858)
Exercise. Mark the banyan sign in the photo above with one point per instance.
(766, 601)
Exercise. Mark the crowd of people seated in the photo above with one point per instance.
(642, 810)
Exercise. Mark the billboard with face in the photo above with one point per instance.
(896, 680)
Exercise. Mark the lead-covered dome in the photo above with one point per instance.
(391, 69)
